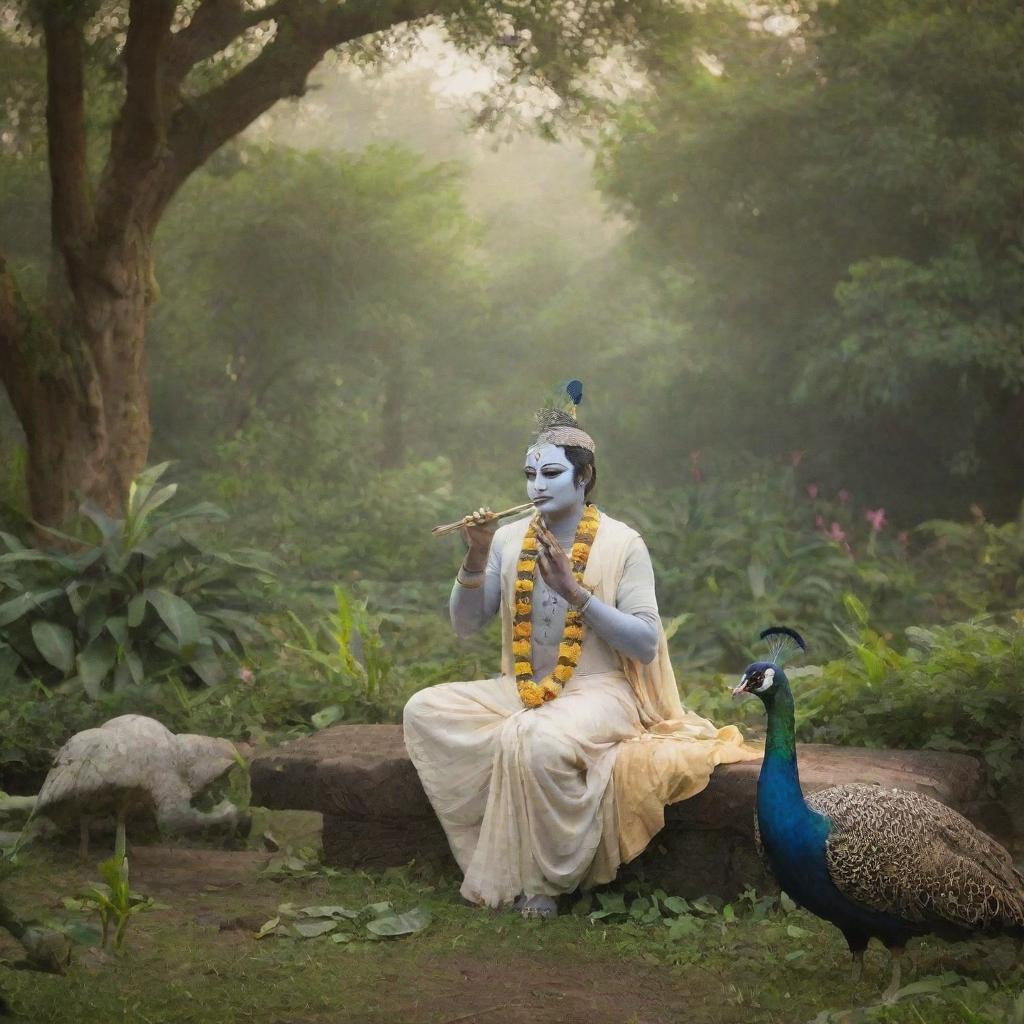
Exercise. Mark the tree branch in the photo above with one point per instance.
(139, 135)
(70, 202)
(214, 25)
(306, 30)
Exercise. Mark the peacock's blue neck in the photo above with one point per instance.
(779, 785)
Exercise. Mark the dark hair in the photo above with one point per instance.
(580, 459)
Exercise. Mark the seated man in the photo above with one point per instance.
(520, 768)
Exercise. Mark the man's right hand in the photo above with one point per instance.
(478, 532)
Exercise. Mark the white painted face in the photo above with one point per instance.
(549, 481)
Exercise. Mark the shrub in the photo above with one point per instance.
(957, 687)
(136, 601)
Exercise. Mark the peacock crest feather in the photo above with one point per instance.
(783, 644)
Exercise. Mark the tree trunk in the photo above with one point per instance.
(83, 399)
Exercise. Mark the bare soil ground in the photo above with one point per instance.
(220, 899)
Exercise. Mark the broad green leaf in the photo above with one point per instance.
(56, 643)
(134, 663)
(136, 610)
(117, 627)
(677, 905)
(794, 931)
(412, 921)
(705, 905)
(334, 910)
(310, 929)
(94, 664)
(268, 927)
(152, 502)
(11, 611)
(178, 616)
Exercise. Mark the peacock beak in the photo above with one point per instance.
(738, 691)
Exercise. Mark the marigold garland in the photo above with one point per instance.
(531, 692)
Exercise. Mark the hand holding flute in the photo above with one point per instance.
(478, 528)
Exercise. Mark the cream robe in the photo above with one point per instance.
(543, 800)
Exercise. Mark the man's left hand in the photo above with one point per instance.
(555, 567)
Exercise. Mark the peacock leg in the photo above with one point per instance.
(896, 952)
(858, 966)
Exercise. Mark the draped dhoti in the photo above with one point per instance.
(524, 795)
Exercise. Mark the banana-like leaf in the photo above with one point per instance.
(55, 643)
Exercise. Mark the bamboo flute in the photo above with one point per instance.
(443, 531)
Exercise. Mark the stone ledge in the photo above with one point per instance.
(377, 815)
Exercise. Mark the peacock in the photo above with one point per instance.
(878, 863)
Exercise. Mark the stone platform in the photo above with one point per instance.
(376, 814)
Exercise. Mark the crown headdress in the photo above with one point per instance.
(556, 422)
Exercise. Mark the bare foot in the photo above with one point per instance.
(542, 907)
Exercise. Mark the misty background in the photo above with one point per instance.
(783, 256)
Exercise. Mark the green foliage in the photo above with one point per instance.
(137, 601)
(956, 688)
(348, 651)
(114, 901)
(732, 557)
(375, 921)
(843, 235)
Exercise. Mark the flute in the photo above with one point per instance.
(443, 531)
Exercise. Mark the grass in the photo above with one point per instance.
(197, 961)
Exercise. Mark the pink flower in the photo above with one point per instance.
(819, 522)
(795, 458)
(876, 517)
(836, 532)
(246, 675)
(904, 538)
(695, 471)
(844, 497)
(978, 513)
(812, 491)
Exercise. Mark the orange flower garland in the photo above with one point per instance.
(531, 692)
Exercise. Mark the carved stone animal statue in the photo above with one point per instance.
(876, 862)
(134, 766)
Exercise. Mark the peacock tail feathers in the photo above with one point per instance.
(906, 854)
